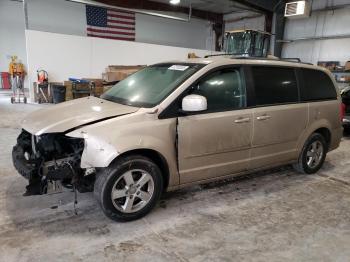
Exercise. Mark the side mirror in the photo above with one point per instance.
(194, 103)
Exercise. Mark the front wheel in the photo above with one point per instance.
(129, 188)
(312, 155)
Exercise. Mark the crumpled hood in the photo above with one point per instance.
(71, 114)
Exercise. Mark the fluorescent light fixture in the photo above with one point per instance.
(174, 2)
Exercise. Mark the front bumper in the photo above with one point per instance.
(346, 121)
(26, 168)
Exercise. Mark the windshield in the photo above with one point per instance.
(149, 86)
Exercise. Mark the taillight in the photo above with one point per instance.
(342, 111)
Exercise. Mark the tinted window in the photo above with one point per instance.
(317, 86)
(224, 90)
(274, 85)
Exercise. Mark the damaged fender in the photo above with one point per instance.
(97, 152)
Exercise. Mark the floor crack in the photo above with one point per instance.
(335, 179)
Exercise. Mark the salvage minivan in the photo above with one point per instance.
(179, 123)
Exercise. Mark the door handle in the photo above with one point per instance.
(264, 117)
(242, 120)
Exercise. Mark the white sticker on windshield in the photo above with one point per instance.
(178, 67)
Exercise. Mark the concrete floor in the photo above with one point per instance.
(277, 215)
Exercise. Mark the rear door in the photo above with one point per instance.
(216, 142)
(279, 118)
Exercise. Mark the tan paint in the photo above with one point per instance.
(214, 143)
(211, 146)
(64, 116)
(276, 133)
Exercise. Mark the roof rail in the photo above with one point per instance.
(236, 56)
(291, 60)
(206, 56)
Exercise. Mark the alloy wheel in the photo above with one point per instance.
(132, 191)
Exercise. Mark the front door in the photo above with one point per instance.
(216, 142)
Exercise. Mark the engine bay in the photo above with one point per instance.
(49, 158)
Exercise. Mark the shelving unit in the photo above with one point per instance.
(338, 74)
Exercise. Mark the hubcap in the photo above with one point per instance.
(314, 154)
(132, 191)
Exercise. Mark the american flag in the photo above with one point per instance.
(110, 23)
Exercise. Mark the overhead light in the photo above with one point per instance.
(174, 2)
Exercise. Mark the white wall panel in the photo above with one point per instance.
(58, 16)
(321, 23)
(61, 16)
(256, 23)
(64, 56)
(151, 29)
(12, 40)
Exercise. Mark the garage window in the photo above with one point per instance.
(317, 86)
(274, 85)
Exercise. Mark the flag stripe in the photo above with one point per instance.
(113, 37)
(121, 27)
(129, 18)
(118, 24)
(120, 21)
(127, 30)
(110, 31)
(121, 12)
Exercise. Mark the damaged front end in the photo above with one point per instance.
(50, 158)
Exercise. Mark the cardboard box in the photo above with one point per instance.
(99, 90)
(330, 65)
(97, 81)
(347, 66)
(117, 73)
(113, 68)
(69, 94)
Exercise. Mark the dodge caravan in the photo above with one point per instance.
(178, 123)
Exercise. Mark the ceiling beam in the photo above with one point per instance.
(156, 6)
(259, 5)
(266, 7)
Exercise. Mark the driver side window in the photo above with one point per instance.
(223, 89)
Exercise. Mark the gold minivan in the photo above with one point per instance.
(178, 123)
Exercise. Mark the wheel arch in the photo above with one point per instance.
(155, 156)
(326, 133)
(321, 127)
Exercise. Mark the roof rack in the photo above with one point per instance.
(291, 60)
(240, 56)
(222, 54)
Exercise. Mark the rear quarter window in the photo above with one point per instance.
(317, 85)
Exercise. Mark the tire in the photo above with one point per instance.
(25, 100)
(305, 163)
(12, 100)
(116, 178)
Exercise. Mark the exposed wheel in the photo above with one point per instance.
(25, 100)
(12, 100)
(129, 188)
(39, 100)
(312, 155)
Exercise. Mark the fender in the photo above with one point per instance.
(105, 141)
(321, 123)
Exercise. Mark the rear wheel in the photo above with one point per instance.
(129, 188)
(312, 155)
